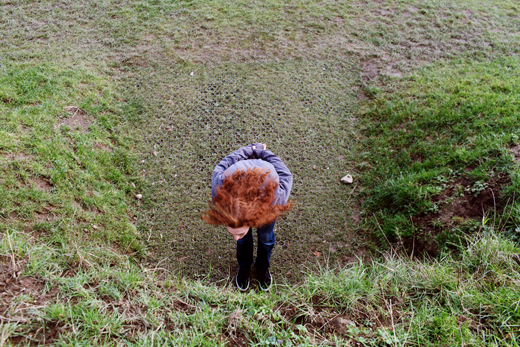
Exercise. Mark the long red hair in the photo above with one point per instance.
(245, 199)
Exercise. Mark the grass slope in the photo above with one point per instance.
(66, 170)
(79, 290)
(151, 47)
(440, 152)
(75, 78)
(470, 299)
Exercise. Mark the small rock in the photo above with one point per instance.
(138, 196)
(155, 153)
(314, 167)
(94, 226)
(191, 73)
(347, 179)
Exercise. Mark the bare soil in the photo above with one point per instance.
(515, 150)
(458, 204)
(42, 183)
(12, 286)
(77, 120)
(21, 156)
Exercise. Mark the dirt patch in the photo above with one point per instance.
(102, 147)
(77, 120)
(135, 61)
(183, 306)
(323, 319)
(340, 324)
(239, 340)
(361, 254)
(42, 183)
(233, 335)
(463, 200)
(12, 286)
(385, 64)
(515, 150)
(44, 216)
(17, 156)
(45, 335)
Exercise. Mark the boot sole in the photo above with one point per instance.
(238, 286)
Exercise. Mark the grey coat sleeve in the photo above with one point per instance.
(285, 176)
(243, 153)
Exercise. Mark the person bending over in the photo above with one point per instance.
(250, 189)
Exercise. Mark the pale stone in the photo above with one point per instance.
(138, 196)
(347, 179)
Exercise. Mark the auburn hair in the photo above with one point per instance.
(245, 198)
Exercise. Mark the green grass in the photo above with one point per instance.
(64, 174)
(446, 132)
(470, 299)
(337, 85)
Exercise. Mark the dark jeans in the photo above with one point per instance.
(265, 247)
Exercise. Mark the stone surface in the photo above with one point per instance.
(347, 179)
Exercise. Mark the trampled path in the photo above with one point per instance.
(302, 111)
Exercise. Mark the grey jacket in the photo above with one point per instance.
(245, 158)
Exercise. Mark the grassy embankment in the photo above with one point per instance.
(67, 286)
(440, 157)
(69, 275)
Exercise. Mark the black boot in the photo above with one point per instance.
(242, 279)
(264, 279)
